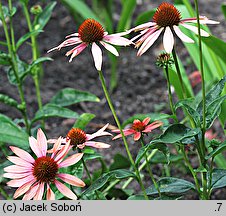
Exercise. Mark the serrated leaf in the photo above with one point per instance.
(69, 96)
(12, 134)
(52, 110)
(83, 120)
(169, 185)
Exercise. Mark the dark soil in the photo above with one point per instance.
(141, 87)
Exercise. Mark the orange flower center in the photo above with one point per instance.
(77, 136)
(138, 126)
(91, 31)
(167, 15)
(45, 169)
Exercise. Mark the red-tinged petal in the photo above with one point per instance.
(16, 175)
(42, 142)
(137, 136)
(126, 132)
(71, 35)
(50, 195)
(116, 40)
(17, 169)
(34, 146)
(195, 30)
(110, 48)
(22, 154)
(143, 26)
(146, 121)
(168, 40)
(76, 51)
(62, 153)
(23, 189)
(71, 160)
(149, 42)
(32, 192)
(98, 145)
(65, 190)
(20, 182)
(152, 126)
(97, 56)
(72, 180)
(136, 121)
(19, 161)
(40, 191)
(182, 36)
(202, 20)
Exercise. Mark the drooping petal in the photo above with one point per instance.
(23, 189)
(19, 161)
(16, 175)
(22, 154)
(195, 30)
(116, 40)
(42, 142)
(17, 169)
(76, 51)
(32, 192)
(152, 126)
(126, 132)
(50, 195)
(97, 56)
(65, 190)
(168, 40)
(181, 35)
(137, 136)
(202, 20)
(149, 42)
(110, 48)
(72, 180)
(40, 191)
(71, 35)
(97, 144)
(20, 182)
(34, 146)
(73, 159)
(143, 26)
(146, 121)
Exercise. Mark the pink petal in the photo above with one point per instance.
(76, 51)
(116, 40)
(146, 121)
(195, 30)
(99, 133)
(143, 26)
(40, 191)
(57, 146)
(110, 48)
(34, 146)
(126, 132)
(71, 35)
(19, 161)
(65, 190)
(136, 121)
(152, 126)
(72, 180)
(50, 195)
(42, 142)
(202, 20)
(62, 153)
(20, 182)
(71, 160)
(137, 136)
(16, 175)
(22, 154)
(17, 169)
(32, 192)
(181, 35)
(149, 42)
(23, 189)
(97, 144)
(168, 40)
(97, 56)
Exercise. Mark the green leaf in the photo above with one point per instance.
(216, 151)
(12, 134)
(80, 7)
(83, 120)
(218, 178)
(7, 13)
(171, 185)
(69, 96)
(52, 110)
(223, 8)
(5, 59)
(145, 17)
(100, 182)
(177, 133)
(43, 18)
(26, 37)
(137, 197)
(8, 100)
(120, 162)
(2, 166)
(93, 156)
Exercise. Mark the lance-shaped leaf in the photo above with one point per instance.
(218, 178)
(83, 120)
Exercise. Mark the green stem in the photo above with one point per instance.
(11, 49)
(203, 146)
(121, 131)
(4, 193)
(148, 166)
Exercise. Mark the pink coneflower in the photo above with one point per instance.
(195, 78)
(79, 138)
(138, 128)
(34, 176)
(167, 19)
(92, 33)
